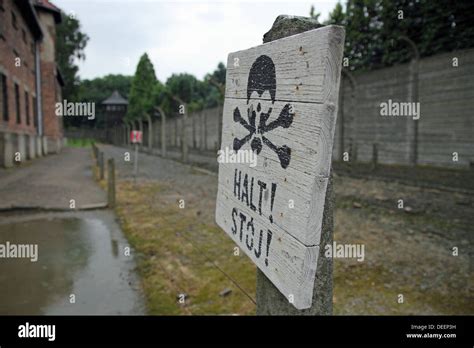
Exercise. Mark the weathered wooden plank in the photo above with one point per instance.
(287, 263)
(280, 105)
(302, 186)
(308, 66)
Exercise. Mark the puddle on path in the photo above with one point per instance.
(78, 253)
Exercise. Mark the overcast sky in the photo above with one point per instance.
(179, 36)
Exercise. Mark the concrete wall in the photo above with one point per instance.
(446, 96)
(445, 93)
(16, 148)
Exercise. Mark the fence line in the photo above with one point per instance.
(446, 125)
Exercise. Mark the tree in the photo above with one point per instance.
(218, 75)
(215, 84)
(70, 44)
(141, 91)
(337, 16)
(96, 91)
(185, 87)
(376, 29)
(312, 14)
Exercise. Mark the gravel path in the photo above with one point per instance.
(51, 182)
(152, 167)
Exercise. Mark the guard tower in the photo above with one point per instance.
(115, 108)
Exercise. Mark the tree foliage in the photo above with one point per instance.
(141, 92)
(375, 29)
(70, 45)
(96, 91)
(144, 92)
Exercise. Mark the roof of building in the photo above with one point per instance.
(49, 6)
(31, 19)
(115, 99)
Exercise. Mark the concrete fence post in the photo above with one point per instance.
(270, 301)
(353, 107)
(101, 165)
(163, 131)
(183, 133)
(111, 182)
(412, 129)
(140, 128)
(184, 138)
(375, 155)
(124, 135)
(175, 132)
(150, 133)
(199, 130)
(205, 131)
(193, 116)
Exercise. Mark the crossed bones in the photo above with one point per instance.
(257, 133)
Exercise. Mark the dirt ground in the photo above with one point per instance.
(409, 251)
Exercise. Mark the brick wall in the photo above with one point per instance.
(49, 83)
(17, 41)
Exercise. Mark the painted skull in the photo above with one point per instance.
(261, 90)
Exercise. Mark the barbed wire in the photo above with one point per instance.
(218, 268)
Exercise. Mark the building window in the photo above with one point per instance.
(2, 25)
(35, 113)
(17, 103)
(14, 24)
(4, 97)
(27, 108)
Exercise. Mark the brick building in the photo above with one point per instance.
(30, 83)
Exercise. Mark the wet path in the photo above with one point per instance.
(82, 264)
(51, 182)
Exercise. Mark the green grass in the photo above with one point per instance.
(177, 252)
(85, 142)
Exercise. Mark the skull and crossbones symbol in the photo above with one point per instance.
(261, 90)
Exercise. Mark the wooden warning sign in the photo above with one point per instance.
(279, 120)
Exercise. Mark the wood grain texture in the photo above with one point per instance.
(289, 198)
(308, 68)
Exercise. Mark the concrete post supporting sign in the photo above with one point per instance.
(269, 300)
(279, 210)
